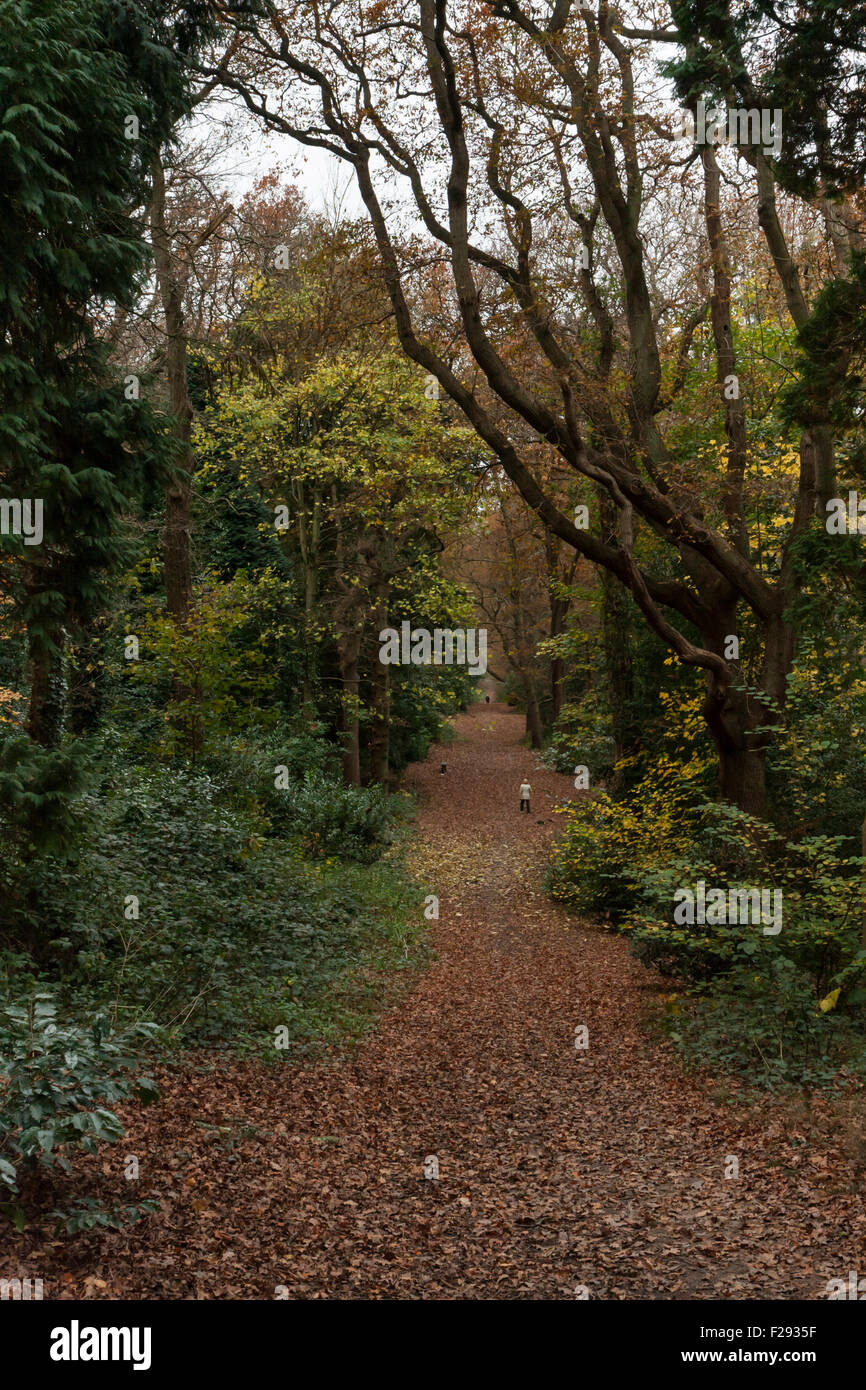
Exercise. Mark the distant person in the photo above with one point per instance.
(487, 699)
(525, 794)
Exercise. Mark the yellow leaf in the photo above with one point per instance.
(830, 1002)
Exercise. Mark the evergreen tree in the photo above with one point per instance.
(89, 90)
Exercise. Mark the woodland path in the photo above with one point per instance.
(558, 1167)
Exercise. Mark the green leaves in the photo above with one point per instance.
(72, 251)
(335, 819)
(832, 356)
(87, 1214)
(37, 787)
(55, 1077)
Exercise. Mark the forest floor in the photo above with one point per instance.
(560, 1169)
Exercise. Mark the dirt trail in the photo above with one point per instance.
(558, 1168)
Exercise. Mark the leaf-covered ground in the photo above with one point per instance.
(558, 1167)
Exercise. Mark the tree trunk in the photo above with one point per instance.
(348, 649)
(558, 610)
(743, 779)
(380, 727)
(178, 494)
(309, 532)
(533, 717)
(176, 550)
(618, 664)
(825, 468)
(46, 707)
(732, 721)
(557, 686)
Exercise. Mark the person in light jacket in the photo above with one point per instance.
(525, 794)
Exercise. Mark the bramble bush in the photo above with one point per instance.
(316, 809)
(242, 769)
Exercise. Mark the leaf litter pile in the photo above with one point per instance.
(560, 1170)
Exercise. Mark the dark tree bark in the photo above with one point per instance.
(616, 642)
(618, 665)
(559, 607)
(47, 701)
(379, 737)
(741, 750)
(178, 495)
(534, 726)
(348, 647)
(47, 695)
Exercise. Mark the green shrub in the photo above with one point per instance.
(57, 1079)
(761, 1024)
(333, 819)
(37, 791)
(242, 770)
(789, 1004)
(184, 911)
(820, 896)
(608, 846)
(580, 739)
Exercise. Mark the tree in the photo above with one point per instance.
(521, 149)
(90, 90)
(362, 474)
(512, 566)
